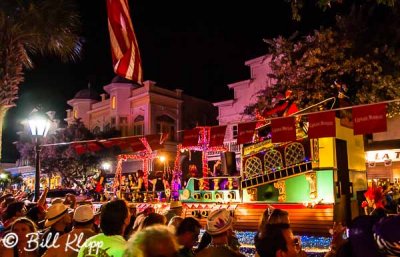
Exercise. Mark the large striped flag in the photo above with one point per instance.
(124, 47)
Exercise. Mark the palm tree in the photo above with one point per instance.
(29, 27)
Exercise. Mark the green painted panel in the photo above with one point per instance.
(297, 189)
(325, 186)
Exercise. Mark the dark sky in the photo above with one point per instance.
(197, 46)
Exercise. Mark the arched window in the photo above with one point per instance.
(166, 124)
(273, 161)
(252, 167)
(138, 126)
(294, 153)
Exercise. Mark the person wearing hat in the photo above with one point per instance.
(57, 220)
(175, 209)
(219, 227)
(83, 228)
(387, 235)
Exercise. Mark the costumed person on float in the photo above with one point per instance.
(374, 202)
(160, 185)
(99, 189)
(282, 106)
(140, 187)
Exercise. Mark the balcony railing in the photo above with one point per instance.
(231, 146)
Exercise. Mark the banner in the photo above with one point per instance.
(369, 119)
(283, 130)
(217, 135)
(107, 143)
(321, 125)
(190, 137)
(124, 47)
(246, 132)
(79, 148)
(93, 146)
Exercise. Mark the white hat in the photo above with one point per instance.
(83, 213)
(55, 213)
(218, 222)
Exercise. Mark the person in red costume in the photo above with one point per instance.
(374, 202)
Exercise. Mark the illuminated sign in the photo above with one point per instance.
(383, 155)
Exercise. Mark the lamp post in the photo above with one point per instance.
(39, 124)
(163, 160)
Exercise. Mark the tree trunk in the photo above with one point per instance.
(3, 112)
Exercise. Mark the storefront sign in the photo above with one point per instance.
(383, 155)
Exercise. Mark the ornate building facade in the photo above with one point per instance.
(231, 112)
(141, 110)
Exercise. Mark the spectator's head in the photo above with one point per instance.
(36, 214)
(279, 241)
(174, 222)
(176, 207)
(83, 216)
(132, 209)
(15, 209)
(219, 222)
(4, 197)
(159, 174)
(148, 210)
(188, 232)
(140, 173)
(114, 217)
(57, 214)
(22, 227)
(154, 219)
(153, 241)
(273, 216)
(361, 239)
(387, 235)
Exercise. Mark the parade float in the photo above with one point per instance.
(315, 180)
(313, 166)
(315, 171)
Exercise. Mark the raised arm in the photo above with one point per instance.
(42, 199)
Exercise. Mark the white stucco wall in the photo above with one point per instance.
(230, 112)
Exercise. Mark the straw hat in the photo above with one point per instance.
(55, 213)
(175, 204)
(83, 213)
(218, 222)
(387, 235)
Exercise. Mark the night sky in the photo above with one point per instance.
(197, 46)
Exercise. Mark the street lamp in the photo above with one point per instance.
(106, 165)
(163, 159)
(39, 124)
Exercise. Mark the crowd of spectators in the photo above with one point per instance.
(65, 228)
